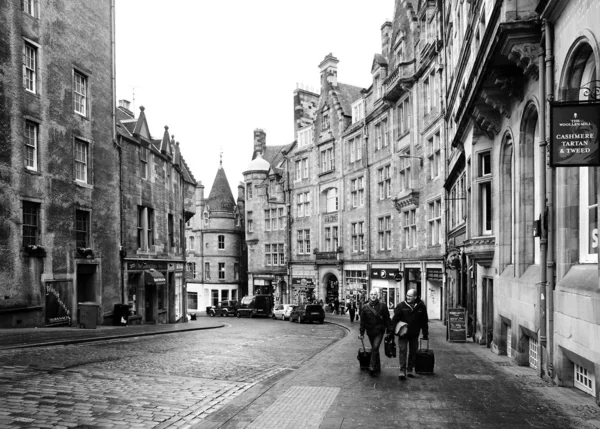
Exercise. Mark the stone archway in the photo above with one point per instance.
(332, 287)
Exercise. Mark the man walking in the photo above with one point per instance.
(374, 319)
(352, 310)
(413, 312)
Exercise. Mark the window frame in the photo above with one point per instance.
(81, 159)
(30, 66)
(221, 242)
(80, 93)
(82, 235)
(31, 218)
(31, 145)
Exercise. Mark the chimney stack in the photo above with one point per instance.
(260, 141)
(328, 72)
(386, 38)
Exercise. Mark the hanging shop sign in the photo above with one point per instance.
(302, 282)
(574, 134)
(384, 273)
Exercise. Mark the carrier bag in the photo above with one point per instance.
(425, 359)
(364, 356)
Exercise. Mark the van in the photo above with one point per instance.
(256, 306)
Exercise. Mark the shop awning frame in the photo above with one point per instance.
(153, 277)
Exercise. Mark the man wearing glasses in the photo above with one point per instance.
(413, 312)
(375, 320)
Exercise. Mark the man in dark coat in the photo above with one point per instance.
(414, 313)
(375, 320)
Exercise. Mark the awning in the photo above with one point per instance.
(153, 277)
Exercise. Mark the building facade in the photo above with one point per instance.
(526, 235)
(59, 216)
(216, 262)
(157, 200)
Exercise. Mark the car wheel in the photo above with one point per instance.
(212, 314)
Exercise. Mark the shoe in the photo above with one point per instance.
(402, 375)
(410, 374)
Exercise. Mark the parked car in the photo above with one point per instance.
(282, 311)
(256, 306)
(223, 309)
(308, 313)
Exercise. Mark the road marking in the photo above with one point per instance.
(299, 407)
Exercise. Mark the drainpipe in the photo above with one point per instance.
(543, 145)
(549, 207)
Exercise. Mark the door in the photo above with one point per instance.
(488, 311)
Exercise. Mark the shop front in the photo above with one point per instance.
(389, 282)
(355, 283)
(303, 290)
(434, 278)
(263, 286)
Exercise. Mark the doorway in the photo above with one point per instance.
(488, 311)
(86, 282)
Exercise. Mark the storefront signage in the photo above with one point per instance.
(574, 134)
(457, 324)
(302, 282)
(146, 265)
(384, 273)
(58, 298)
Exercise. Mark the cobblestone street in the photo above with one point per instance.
(160, 381)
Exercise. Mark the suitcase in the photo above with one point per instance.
(424, 360)
(364, 356)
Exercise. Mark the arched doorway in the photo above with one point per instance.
(332, 290)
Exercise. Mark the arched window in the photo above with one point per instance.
(507, 202)
(582, 192)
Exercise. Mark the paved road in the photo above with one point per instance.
(160, 381)
(258, 373)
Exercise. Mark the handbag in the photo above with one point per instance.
(389, 346)
(401, 329)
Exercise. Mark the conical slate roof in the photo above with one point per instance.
(220, 197)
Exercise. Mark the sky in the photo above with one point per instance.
(214, 71)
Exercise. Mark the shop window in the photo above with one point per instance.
(192, 299)
(214, 296)
(224, 295)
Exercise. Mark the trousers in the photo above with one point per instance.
(375, 340)
(407, 346)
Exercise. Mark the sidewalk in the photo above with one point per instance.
(40, 337)
(470, 389)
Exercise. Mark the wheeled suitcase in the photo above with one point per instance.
(424, 360)
(364, 356)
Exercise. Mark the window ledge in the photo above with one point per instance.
(83, 185)
(33, 172)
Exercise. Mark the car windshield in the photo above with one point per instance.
(247, 299)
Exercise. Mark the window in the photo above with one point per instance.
(358, 111)
(171, 237)
(82, 228)
(298, 170)
(433, 153)
(274, 254)
(384, 227)
(588, 214)
(144, 162)
(484, 182)
(410, 228)
(207, 270)
(249, 191)
(281, 218)
(80, 93)
(327, 160)
(268, 220)
(533, 352)
(332, 200)
(434, 214)
(584, 380)
(357, 190)
(191, 269)
(191, 243)
(192, 300)
(221, 240)
(385, 133)
(303, 240)
(404, 173)
(384, 182)
(30, 55)
(356, 148)
(378, 85)
(206, 217)
(331, 238)
(328, 239)
(334, 234)
(457, 202)
(305, 136)
(81, 161)
(305, 168)
(145, 236)
(31, 223)
(378, 137)
(236, 271)
(426, 95)
(358, 237)
(31, 145)
(249, 223)
(221, 270)
(325, 120)
(403, 118)
(303, 204)
(281, 254)
(31, 7)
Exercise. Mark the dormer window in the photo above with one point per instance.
(358, 111)
(305, 136)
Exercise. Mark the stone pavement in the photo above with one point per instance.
(472, 388)
(37, 337)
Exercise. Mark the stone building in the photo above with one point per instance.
(526, 236)
(59, 216)
(216, 255)
(157, 200)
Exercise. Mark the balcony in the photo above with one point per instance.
(400, 81)
(405, 199)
